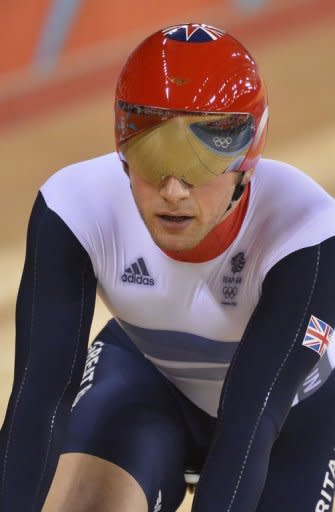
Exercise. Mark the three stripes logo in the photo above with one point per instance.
(138, 273)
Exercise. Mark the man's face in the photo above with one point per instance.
(179, 216)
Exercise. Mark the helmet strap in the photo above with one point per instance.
(240, 187)
(238, 191)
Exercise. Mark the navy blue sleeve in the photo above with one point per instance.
(267, 369)
(54, 311)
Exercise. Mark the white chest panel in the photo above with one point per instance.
(187, 318)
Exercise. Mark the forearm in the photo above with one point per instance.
(54, 310)
(32, 441)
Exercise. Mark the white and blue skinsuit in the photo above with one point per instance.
(203, 363)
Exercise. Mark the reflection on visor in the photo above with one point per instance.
(231, 133)
(133, 119)
(228, 136)
(192, 146)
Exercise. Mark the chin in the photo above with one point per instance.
(172, 243)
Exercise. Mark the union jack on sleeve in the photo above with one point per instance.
(318, 335)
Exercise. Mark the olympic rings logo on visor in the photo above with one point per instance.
(192, 146)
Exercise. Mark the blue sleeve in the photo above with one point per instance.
(54, 311)
(267, 369)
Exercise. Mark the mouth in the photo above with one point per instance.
(175, 218)
(174, 223)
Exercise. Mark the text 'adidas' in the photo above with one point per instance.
(138, 273)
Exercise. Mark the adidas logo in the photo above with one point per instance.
(138, 273)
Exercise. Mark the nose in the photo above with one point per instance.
(174, 190)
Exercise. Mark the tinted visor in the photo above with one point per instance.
(191, 146)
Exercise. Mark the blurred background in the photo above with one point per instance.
(58, 67)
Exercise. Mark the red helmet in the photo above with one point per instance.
(202, 75)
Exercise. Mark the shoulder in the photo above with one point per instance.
(274, 178)
(88, 195)
(87, 190)
(84, 179)
(288, 211)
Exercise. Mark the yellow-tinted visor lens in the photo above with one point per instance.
(193, 147)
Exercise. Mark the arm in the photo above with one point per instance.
(263, 378)
(54, 310)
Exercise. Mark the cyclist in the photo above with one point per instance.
(216, 265)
